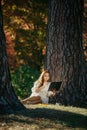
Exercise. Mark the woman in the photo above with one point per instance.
(40, 92)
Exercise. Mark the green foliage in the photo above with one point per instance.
(23, 79)
(27, 21)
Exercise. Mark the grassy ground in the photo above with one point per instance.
(46, 117)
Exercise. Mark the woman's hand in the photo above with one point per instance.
(50, 93)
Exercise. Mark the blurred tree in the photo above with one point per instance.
(85, 29)
(8, 100)
(26, 21)
(65, 57)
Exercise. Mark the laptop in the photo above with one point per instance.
(54, 86)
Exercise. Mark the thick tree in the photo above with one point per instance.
(9, 102)
(64, 56)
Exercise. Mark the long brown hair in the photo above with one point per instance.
(41, 78)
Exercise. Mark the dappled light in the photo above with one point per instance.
(47, 117)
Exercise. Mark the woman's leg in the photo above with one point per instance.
(32, 99)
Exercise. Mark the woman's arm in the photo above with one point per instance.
(33, 89)
(38, 83)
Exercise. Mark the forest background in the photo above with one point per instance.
(25, 24)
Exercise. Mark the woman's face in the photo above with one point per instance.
(46, 77)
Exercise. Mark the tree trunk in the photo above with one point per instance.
(8, 100)
(64, 57)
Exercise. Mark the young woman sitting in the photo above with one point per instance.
(40, 93)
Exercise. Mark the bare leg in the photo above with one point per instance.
(34, 102)
(34, 99)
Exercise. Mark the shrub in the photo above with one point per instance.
(23, 79)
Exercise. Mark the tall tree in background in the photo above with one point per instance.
(64, 57)
(8, 100)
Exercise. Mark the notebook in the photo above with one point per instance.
(55, 86)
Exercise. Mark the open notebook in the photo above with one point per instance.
(55, 86)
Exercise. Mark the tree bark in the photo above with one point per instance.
(64, 57)
(9, 102)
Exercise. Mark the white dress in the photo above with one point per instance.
(43, 93)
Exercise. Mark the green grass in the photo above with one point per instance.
(46, 117)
